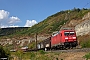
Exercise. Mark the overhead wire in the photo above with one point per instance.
(87, 4)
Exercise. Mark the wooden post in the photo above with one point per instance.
(36, 41)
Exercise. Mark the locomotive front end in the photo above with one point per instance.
(70, 38)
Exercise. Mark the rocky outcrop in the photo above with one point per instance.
(83, 28)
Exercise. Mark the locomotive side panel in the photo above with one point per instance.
(56, 40)
(63, 36)
(53, 40)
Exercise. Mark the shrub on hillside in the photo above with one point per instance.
(85, 44)
(4, 53)
(42, 52)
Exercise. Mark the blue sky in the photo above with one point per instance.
(29, 12)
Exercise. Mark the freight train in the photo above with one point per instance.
(63, 39)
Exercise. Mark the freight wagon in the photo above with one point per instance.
(60, 40)
(45, 44)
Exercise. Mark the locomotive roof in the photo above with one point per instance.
(57, 32)
(67, 30)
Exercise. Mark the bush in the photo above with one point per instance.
(85, 44)
(32, 55)
(87, 56)
(4, 53)
(42, 52)
(32, 45)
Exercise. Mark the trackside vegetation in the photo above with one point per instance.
(85, 44)
(38, 55)
(87, 56)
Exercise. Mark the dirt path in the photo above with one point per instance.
(72, 56)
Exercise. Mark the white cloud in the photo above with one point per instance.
(6, 21)
(13, 20)
(30, 23)
(3, 14)
(14, 26)
(3, 26)
(9, 22)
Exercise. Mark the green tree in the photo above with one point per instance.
(4, 53)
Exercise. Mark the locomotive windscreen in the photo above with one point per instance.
(69, 33)
(72, 33)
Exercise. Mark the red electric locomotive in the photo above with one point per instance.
(64, 39)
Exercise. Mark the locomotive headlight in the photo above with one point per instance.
(74, 37)
(66, 38)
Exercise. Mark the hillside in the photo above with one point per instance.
(11, 30)
(52, 23)
(78, 19)
(57, 21)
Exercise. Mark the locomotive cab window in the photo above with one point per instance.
(66, 33)
(69, 33)
(72, 33)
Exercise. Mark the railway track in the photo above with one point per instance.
(72, 50)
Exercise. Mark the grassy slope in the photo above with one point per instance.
(56, 21)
